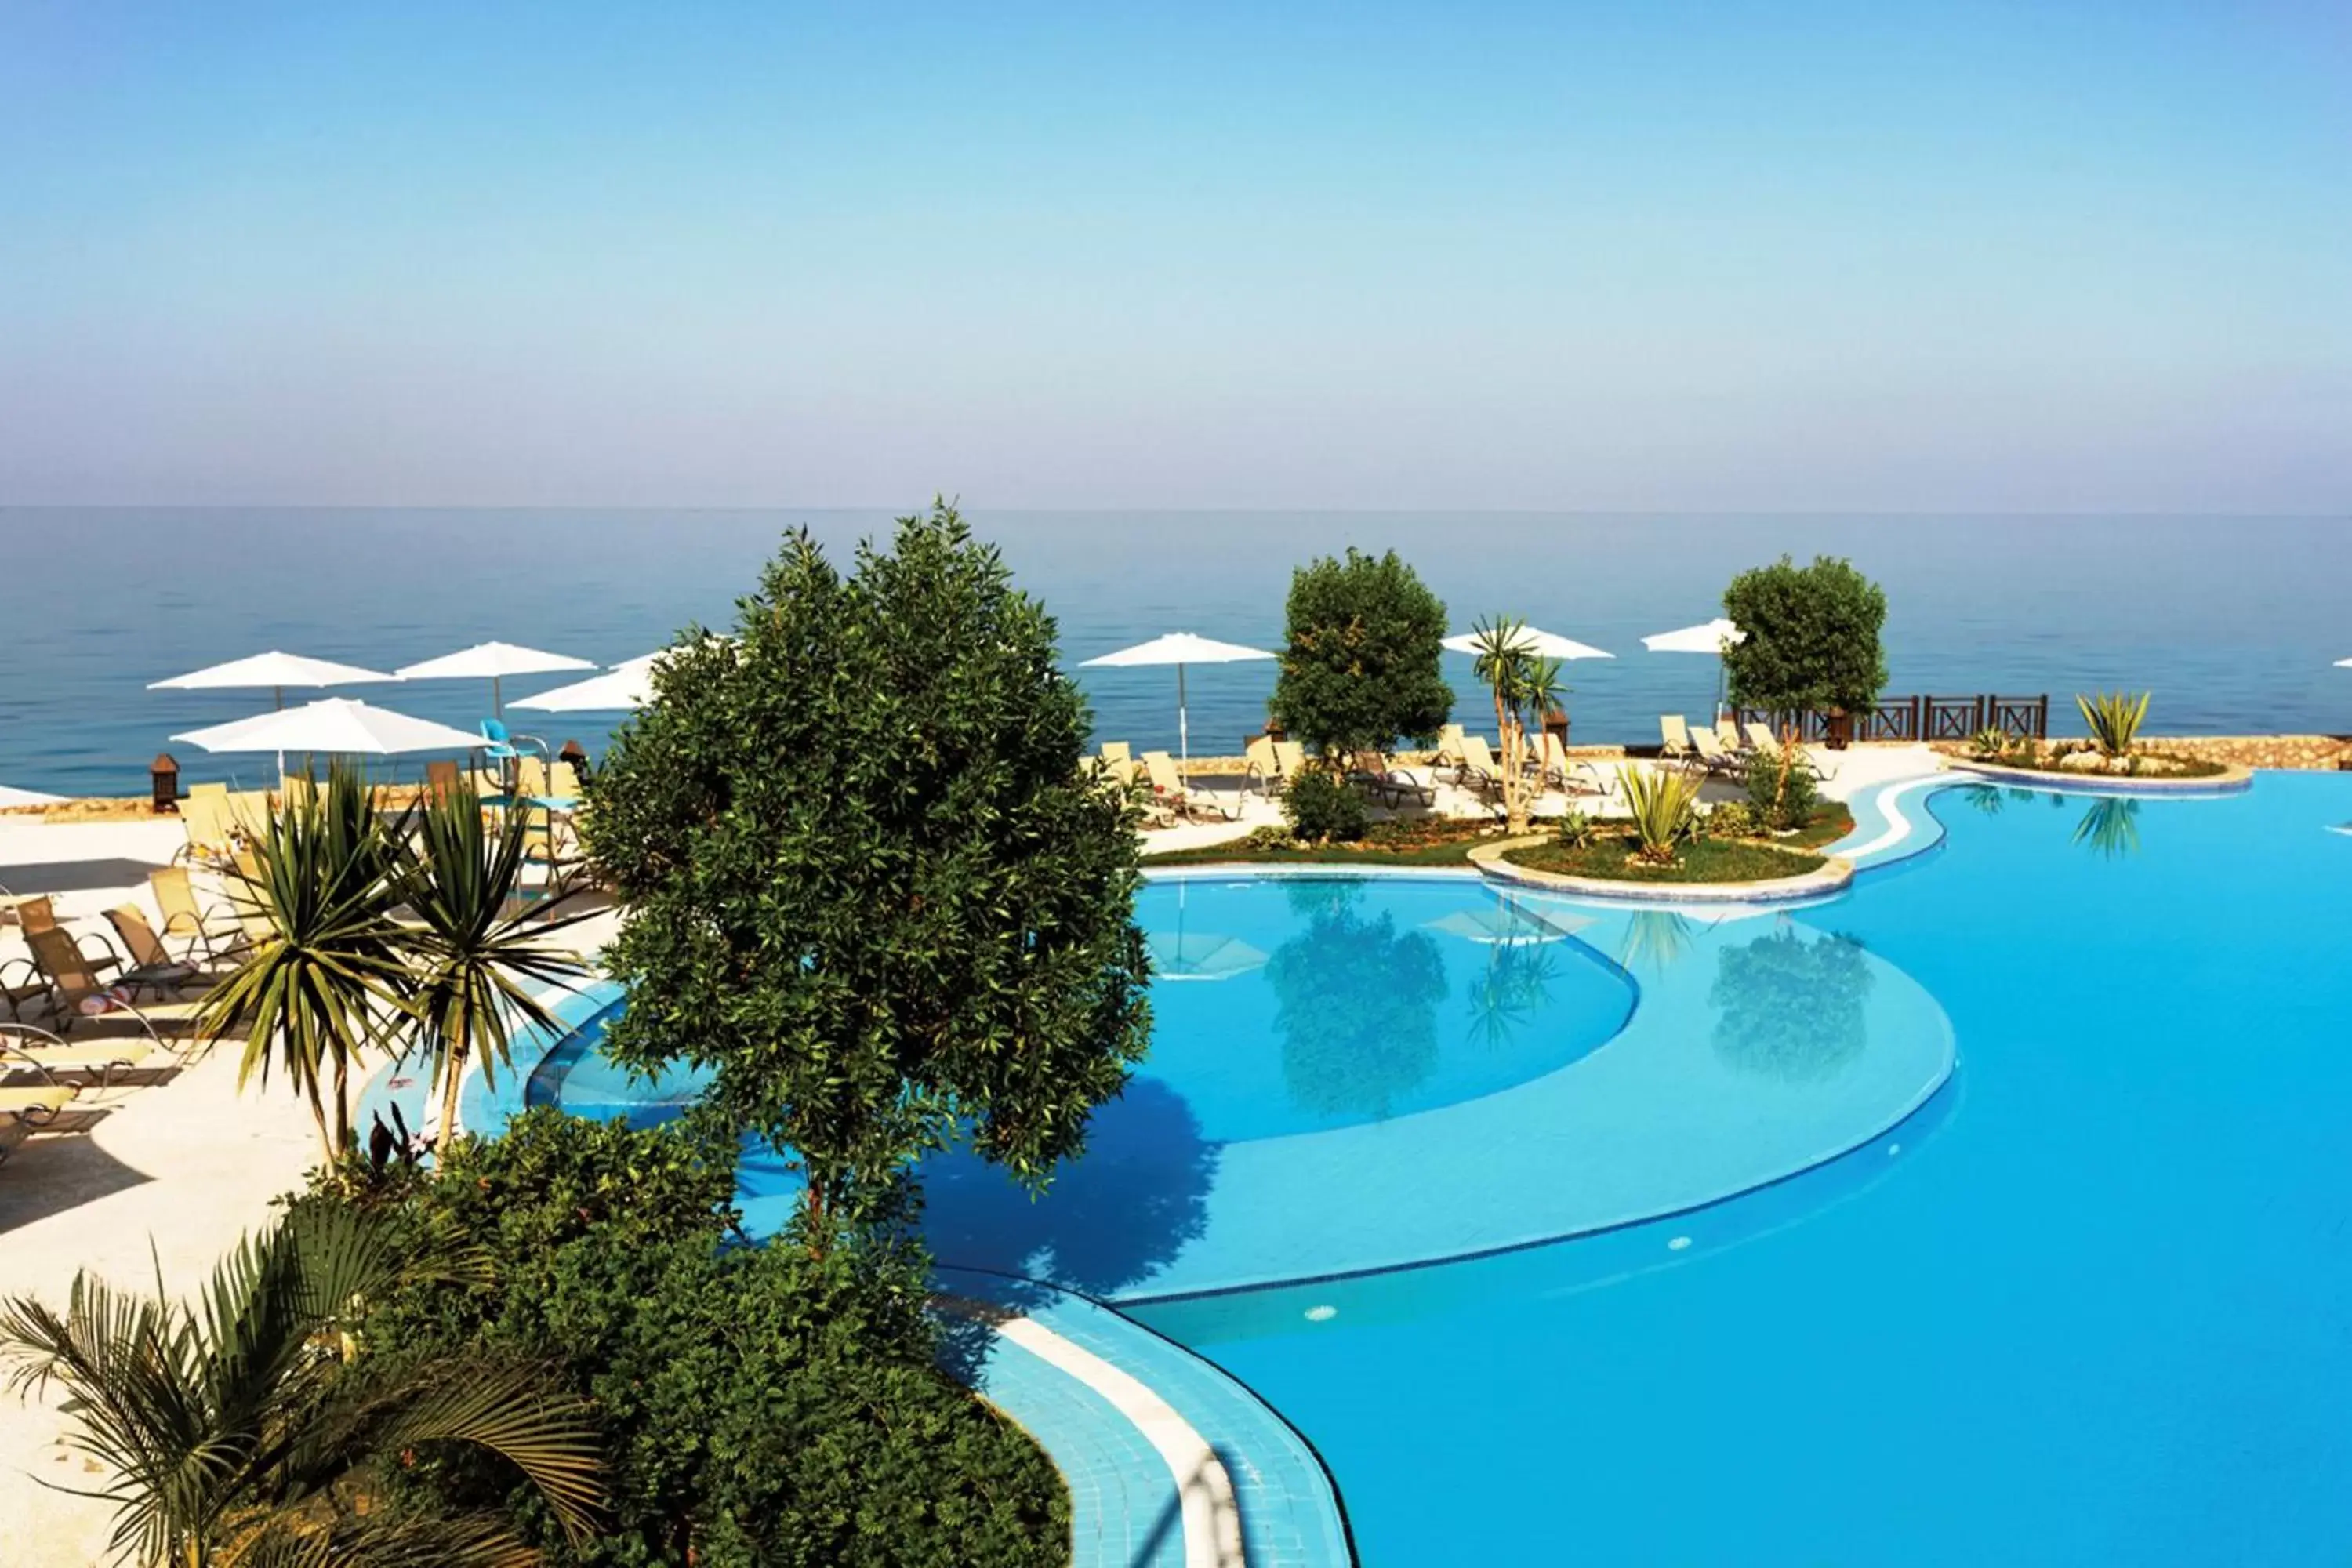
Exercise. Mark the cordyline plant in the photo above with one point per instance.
(869, 882)
(376, 933)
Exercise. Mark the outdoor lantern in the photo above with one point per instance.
(165, 776)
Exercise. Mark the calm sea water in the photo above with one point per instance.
(2232, 622)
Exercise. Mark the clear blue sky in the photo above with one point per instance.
(2035, 256)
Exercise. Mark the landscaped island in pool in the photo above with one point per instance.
(1978, 1215)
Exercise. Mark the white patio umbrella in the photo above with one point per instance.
(491, 661)
(1179, 648)
(628, 684)
(1713, 637)
(274, 669)
(1551, 645)
(2344, 664)
(343, 725)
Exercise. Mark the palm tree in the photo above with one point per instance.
(477, 949)
(243, 1430)
(322, 973)
(1509, 666)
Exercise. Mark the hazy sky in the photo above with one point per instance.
(2036, 256)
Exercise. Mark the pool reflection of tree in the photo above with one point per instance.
(1511, 989)
(2110, 828)
(1355, 1003)
(1789, 1007)
(1655, 941)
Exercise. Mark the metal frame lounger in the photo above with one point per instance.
(25, 1109)
(1387, 783)
(25, 1049)
(1711, 755)
(1160, 768)
(72, 984)
(185, 916)
(1674, 738)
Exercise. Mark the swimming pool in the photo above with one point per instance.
(1994, 1211)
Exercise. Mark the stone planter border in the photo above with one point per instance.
(1820, 882)
(2234, 780)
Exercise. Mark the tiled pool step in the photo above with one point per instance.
(1170, 1462)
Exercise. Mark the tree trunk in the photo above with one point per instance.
(342, 1105)
(1515, 788)
(319, 1116)
(449, 1094)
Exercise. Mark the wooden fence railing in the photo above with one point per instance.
(1925, 718)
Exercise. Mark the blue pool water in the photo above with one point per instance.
(1994, 1212)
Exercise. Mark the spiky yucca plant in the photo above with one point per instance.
(1664, 804)
(2115, 718)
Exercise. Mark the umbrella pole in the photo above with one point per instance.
(1184, 735)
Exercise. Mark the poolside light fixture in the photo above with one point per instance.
(1179, 648)
(491, 661)
(273, 669)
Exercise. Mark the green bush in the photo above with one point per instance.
(1322, 807)
(1362, 665)
(1813, 637)
(1732, 819)
(1781, 791)
(1574, 828)
(758, 1404)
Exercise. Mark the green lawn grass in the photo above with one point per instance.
(1611, 857)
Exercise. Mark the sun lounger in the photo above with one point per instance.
(25, 1110)
(27, 1052)
(1160, 768)
(1711, 755)
(150, 968)
(75, 991)
(1674, 738)
(1449, 751)
(1389, 784)
(1291, 757)
(1262, 769)
(215, 934)
(1577, 777)
(1761, 739)
(1478, 770)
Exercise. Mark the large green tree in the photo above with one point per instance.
(868, 881)
(1360, 666)
(1813, 637)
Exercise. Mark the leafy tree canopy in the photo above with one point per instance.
(868, 883)
(1360, 668)
(1813, 637)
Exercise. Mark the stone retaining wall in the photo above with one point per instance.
(2301, 751)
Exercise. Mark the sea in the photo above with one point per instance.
(2233, 623)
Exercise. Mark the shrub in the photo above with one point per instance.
(864, 863)
(1813, 637)
(778, 1404)
(1664, 804)
(1321, 807)
(1781, 790)
(2115, 719)
(1575, 829)
(1732, 819)
(1360, 666)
